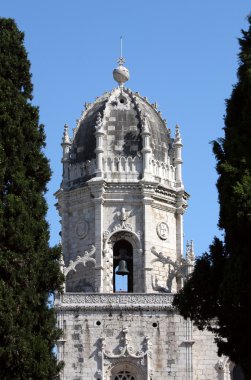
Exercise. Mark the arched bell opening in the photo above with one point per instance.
(122, 267)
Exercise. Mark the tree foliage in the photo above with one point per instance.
(29, 269)
(218, 294)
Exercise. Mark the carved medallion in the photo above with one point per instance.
(162, 230)
(82, 229)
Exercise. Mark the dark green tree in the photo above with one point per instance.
(218, 294)
(29, 269)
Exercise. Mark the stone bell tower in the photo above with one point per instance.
(121, 203)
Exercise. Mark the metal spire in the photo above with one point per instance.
(121, 59)
(121, 73)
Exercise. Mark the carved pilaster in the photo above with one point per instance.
(188, 343)
(148, 226)
(97, 189)
(178, 157)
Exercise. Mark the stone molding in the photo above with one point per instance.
(114, 301)
(126, 233)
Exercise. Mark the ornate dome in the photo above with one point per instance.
(121, 137)
(122, 113)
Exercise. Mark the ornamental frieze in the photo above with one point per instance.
(117, 299)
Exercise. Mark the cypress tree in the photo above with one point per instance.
(29, 269)
(218, 294)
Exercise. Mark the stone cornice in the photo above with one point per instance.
(121, 187)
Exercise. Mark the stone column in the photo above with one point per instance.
(179, 241)
(189, 350)
(178, 157)
(179, 234)
(146, 151)
(99, 146)
(98, 204)
(61, 342)
(96, 187)
(66, 145)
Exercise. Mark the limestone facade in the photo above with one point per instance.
(121, 203)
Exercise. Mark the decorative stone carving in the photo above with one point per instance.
(190, 252)
(123, 215)
(98, 125)
(168, 288)
(223, 366)
(180, 270)
(125, 353)
(162, 230)
(80, 259)
(160, 257)
(124, 225)
(106, 234)
(82, 229)
(118, 233)
(118, 299)
(140, 234)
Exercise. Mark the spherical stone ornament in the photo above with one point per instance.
(162, 230)
(121, 74)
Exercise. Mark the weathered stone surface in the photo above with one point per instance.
(122, 198)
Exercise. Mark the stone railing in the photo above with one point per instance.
(115, 301)
(162, 172)
(121, 167)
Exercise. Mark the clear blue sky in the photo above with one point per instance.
(182, 54)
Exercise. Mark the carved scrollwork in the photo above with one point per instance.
(80, 259)
(125, 348)
(179, 270)
(126, 357)
(106, 234)
(122, 226)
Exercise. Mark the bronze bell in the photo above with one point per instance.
(122, 268)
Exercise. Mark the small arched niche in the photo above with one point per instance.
(123, 259)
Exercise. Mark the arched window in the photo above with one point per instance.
(124, 375)
(122, 267)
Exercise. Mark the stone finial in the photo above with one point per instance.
(98, 122)
(61, 263)
(66, 138)
(190, 256)
(87, 105)
(155, 106)
(145, 123)
(177, 133)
